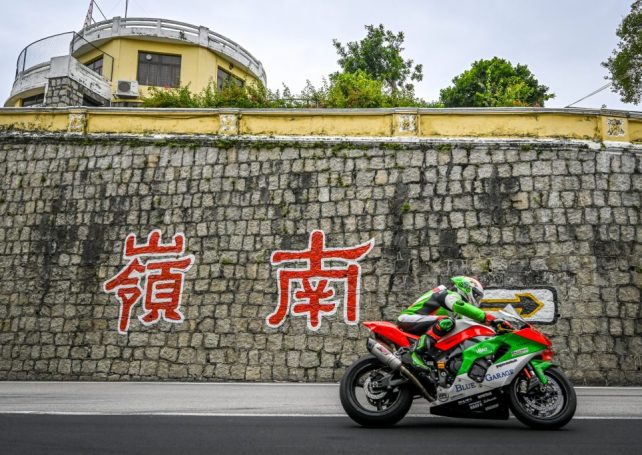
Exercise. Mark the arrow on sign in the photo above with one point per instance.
(526, 304)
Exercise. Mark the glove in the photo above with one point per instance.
(501, 326)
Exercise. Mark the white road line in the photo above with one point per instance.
(245, 384)
(245, 414)
(168, 383)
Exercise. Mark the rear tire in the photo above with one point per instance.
(547, 410)
(368, 405)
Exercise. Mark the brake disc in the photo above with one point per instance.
(371, 392)
(550, 403)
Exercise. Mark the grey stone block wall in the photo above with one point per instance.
(519, 213)
(63, 91)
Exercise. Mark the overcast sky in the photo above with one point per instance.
(561, 41)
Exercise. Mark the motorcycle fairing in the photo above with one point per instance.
(392, 332)
(464, 330)
(485, 405)
(497, 376)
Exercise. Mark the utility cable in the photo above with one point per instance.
(604, 87)
(101, 11)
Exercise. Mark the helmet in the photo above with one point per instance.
(469, 288)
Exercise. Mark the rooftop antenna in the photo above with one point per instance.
(126, 6)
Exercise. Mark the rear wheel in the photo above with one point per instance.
(549, 406)
(373, 395)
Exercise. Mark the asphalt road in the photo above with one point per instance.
(281, 419)
(55, 434)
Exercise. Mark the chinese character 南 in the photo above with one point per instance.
(309, 286)
(155, 273)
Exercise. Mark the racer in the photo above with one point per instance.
(430, 315)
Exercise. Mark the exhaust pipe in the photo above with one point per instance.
(383, 354)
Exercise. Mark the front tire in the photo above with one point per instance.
(368, 404)
(549, 408)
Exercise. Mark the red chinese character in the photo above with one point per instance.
(312, 298)
(160, 281)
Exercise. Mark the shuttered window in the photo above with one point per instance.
(159, 69)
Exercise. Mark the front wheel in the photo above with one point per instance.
(546, 407)
(373, 395)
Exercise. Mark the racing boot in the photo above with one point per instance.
(425, 346)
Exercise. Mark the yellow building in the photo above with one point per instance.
(114, 62)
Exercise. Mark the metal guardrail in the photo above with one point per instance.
(132, 26)
(40, 52)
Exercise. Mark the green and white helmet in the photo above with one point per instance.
(469, 288)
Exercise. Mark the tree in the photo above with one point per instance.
(495, 82)
(625, 65)
(379, 56)
(356, 90)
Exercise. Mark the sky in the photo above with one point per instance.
(562, 42)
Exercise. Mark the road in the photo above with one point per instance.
(186, 418)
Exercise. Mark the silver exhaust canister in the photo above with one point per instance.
(385, 356)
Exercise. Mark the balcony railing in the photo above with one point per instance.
(173, 30)
(40, 52)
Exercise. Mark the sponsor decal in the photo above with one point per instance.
(442, 396)
(482, 350)
(485, 395)
(465, 386)
(500, 375)
(519, 352)
(308, 286)
(475, 405)
(508, 362)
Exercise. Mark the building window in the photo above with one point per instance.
(35, 100)
(159, 69)
(96, 65)
(222, 78)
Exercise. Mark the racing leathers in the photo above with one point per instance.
(430, 317)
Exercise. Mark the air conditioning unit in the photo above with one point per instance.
(127, 89)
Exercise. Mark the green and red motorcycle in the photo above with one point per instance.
(477, 373)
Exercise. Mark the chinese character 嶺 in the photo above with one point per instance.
(159, 280)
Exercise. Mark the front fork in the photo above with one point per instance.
(534, 372)
(540, 366)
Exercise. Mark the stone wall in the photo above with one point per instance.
(515, 213)
(63, 91)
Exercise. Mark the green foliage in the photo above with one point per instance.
(231, 95)
(379, 56)
(344, 90)
(625, 65)
(355, 90)
(495, 82)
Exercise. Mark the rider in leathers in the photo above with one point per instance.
(430, 317)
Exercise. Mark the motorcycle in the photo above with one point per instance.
(475, 373)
